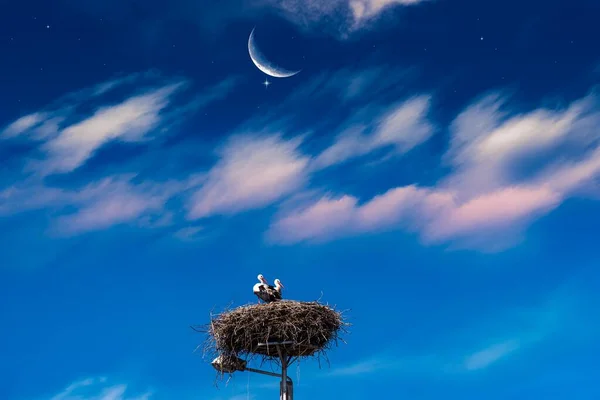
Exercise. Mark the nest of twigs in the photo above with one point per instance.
(298, 329)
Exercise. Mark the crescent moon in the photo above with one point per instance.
(265, 65)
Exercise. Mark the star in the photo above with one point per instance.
(47, 26)
(481, 38)
(266, 83)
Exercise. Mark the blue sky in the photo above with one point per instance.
(434, 168)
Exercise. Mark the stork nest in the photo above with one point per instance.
(299, 329)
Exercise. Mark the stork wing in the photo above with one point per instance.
(274, 294)
(263, 295)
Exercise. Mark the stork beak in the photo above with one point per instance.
(281, 284)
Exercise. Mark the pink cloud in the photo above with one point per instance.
(394, 206)
(114, 201)
(501, 210)
(326, 218)
(480, 203)
(99, 205)
(435, 214)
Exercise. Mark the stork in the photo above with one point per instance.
(276, 291)
(266, 292)
(261, 289)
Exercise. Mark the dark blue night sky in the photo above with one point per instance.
(434, 168)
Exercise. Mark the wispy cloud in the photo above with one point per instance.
(507, 168)
(347, 15)
(131, 120)
(98, 389)
(480, 345)
(253, 171)
(486, 357)
(364, 367)
(112, 201)
(70, 134)
(487, 201)
(67, 134)
(363, 10)
(257, 167)
(403, 127)
(23, 124)
(245, 396)
(98, 205)
(431, 362)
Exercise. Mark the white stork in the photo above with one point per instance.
(266, 292)
(261, 289)
(276, 291)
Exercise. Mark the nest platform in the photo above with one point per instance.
(298, 329)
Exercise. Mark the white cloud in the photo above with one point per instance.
(71, 134)
(488, 356)
(23, 124)
(98, 389)
(503, 336)
(189, 234)
(350, 15)
(483, 203)
(363, 10)
(432, 361)
(110, 202)
(331, 217)
(327, 218)
(98, 205)
(360, 368)
(131, 120)
(486, 144)
(43, 123)
(65, 147)
(403, 126)
(252, 172)
(255, 170)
